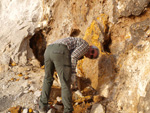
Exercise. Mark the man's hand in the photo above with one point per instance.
(74, 84)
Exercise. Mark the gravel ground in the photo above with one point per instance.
(20, 87)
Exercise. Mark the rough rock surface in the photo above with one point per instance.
(118, 80)
(131, 7)
(19, 20)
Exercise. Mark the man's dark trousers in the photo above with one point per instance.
(57, 56)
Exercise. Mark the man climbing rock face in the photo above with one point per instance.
(62, 56)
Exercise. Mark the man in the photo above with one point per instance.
(63, 55)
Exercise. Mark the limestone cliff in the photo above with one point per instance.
(120, 29)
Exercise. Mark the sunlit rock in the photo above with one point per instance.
(97, 108)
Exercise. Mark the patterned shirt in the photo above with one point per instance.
(78, 48)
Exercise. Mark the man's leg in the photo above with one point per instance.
(62, 64)
(66, 92)
(65, 87)
(48, 80)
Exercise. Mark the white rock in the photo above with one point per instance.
(18, 95)
(5, 86)
(59, 99)
(76, 103)
(32, 88)
(35, 101)
(35, 62)
(37, 93)
(35, 111)
(26, 91)
(79, 93)
(44, 23)
(105, 91)
(76, 95)
(51, 111)
(97, 108)
(25, 84)
(55, 83)
(25, 110)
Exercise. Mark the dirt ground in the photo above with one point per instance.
(22, 87)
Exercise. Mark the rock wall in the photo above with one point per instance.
(120, 29)
(19, 21)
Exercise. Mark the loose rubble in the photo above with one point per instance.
(26, 93)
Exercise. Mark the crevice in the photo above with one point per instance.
(106, 45)
(107, 42)
(38, 45)
(75, 32)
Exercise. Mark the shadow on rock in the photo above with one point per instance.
(5, 102)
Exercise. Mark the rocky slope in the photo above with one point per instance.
(117, 82)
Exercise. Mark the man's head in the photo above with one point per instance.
(93, 52)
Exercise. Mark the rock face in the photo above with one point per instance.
(131, 7)
(19, 20)
(134, 74)
(120, 29)
(97, 108)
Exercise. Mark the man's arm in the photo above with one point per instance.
(77, 54)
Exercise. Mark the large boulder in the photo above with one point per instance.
(128, 91)
(19, 21)
(123, 8)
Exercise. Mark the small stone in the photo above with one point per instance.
(148, 33)
(35, 111)
(13, 64)
(25, 110)
(26, 78)
(76, 103)
(30, 110)
(42, 67)
(59, 99)
(25, 84)
(5, 86)
(97, 108)
(56, 83)
(44, 23)
(17, 79)
(18, 95)
(37, 93)
(35, 101)
(12, 79)
(35, 62)
(89, 91)
(97, 98)
(20, 75)
(84, 99)
(32, 88)
(51, 111)
(15, 109)
(26, 91)
(79, 93)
